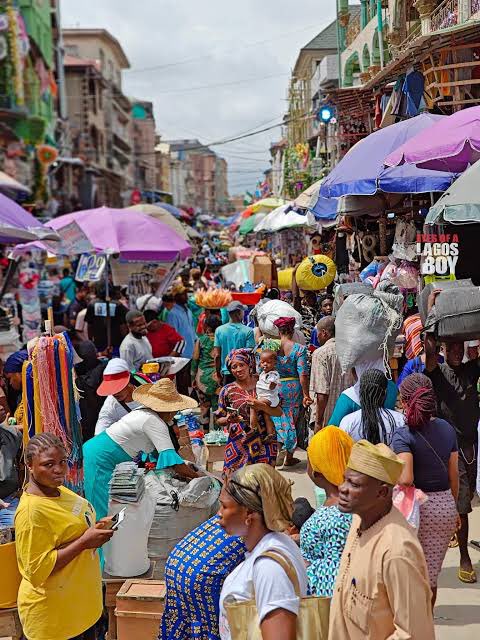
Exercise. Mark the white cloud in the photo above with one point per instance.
(218, 38)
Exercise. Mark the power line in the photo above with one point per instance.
(246, 45)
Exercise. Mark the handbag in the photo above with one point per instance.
(312, 620)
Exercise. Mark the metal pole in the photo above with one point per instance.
(380, 33)
(107, 299)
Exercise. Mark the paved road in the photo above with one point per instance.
(457, 614)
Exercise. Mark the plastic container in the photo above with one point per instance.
(249, 299)
(11, 577)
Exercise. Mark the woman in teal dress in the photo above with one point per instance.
(349, 400)
(324, 534)
(292, 365)
(204, 374)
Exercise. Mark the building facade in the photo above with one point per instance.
(28, 90)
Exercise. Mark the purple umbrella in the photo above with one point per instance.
(134, 235)
(451, 144)
(361, 172)
(17, 225)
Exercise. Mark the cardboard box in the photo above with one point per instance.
(140, 604)
(261, 270)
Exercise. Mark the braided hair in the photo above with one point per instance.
(40, 443)
(373, 391)
(419, 400)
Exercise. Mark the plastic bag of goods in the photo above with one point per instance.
(126, 554)
(342, 291)
(458, 314)
(315, 273)
(422, 299)
(285, 277)
(179, 509)
(366, 326)
(268, 312)
(405, 274)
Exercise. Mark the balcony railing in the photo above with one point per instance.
(474, 7)
(397, 50)
(353, 29)
(445, 15)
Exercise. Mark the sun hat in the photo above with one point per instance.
(163, 396)
(116, 376)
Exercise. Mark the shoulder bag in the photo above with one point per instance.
(312, 619)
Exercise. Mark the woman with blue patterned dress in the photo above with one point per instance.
(292, 365)
(194, 574)
(324, 534)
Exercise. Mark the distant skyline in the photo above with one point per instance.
(243, 51)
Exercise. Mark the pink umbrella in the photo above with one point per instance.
(451, 144)
(135, 236)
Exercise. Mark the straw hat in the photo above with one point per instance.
(163, 396)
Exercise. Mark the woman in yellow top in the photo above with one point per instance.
(60, 596)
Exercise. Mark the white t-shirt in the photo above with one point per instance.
(111, 412)
(135, 351)
(263, 387)
(266, 578)
(352, 423)
(141, 430)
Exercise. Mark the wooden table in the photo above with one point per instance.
(10, 626)
(113, 585)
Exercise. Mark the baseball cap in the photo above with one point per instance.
(235, 306)
(116, 376)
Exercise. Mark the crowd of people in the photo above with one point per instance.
(369, 437)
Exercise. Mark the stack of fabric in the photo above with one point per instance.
(127, 483)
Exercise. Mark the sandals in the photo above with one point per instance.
(453, 542)
(293, 462)
(469, 577)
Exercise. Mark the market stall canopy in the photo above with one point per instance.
(461, 203)
(266, 204)
(451, 144)
(112, 231)
(362, 172)
(284, 218)
(17, 225)
(308, 197)
(367, 205)
(10, 184)
(183, 230)
(249, 224)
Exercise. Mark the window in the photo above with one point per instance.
(102, 60)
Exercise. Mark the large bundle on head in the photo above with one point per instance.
(315, 273)
(422, 299)
(49, 400)
(268, 312)
(366, 325)
(342, 291)
(457, 313)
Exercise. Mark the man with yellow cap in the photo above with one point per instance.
(382, 590)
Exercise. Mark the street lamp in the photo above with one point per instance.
(325, 115)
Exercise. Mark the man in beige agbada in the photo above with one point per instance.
(382, 590)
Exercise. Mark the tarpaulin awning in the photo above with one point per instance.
(461, 203)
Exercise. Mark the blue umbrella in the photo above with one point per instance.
(362, 171)
(171, 209)
(325, 209)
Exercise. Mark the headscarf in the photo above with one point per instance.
(375, 460)
(354, 392)
(241, 355)
(261, 488)
(328, 452)
(419, 400)
(284, 324)
(14, 363)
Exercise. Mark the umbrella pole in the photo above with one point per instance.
(12, 267)
(107, 300)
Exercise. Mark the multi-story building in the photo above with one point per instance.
(144, 140)
(162, 166)
(377, 47)
(28, 87)
(102, 129)
(198, 176)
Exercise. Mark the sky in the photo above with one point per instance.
(178, 49)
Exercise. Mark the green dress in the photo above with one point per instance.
(204, 369)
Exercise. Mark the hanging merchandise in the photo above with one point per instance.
(404, 245)
(28, 296)
(49, 400)
(315, 273)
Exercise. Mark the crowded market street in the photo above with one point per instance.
(239, 320)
